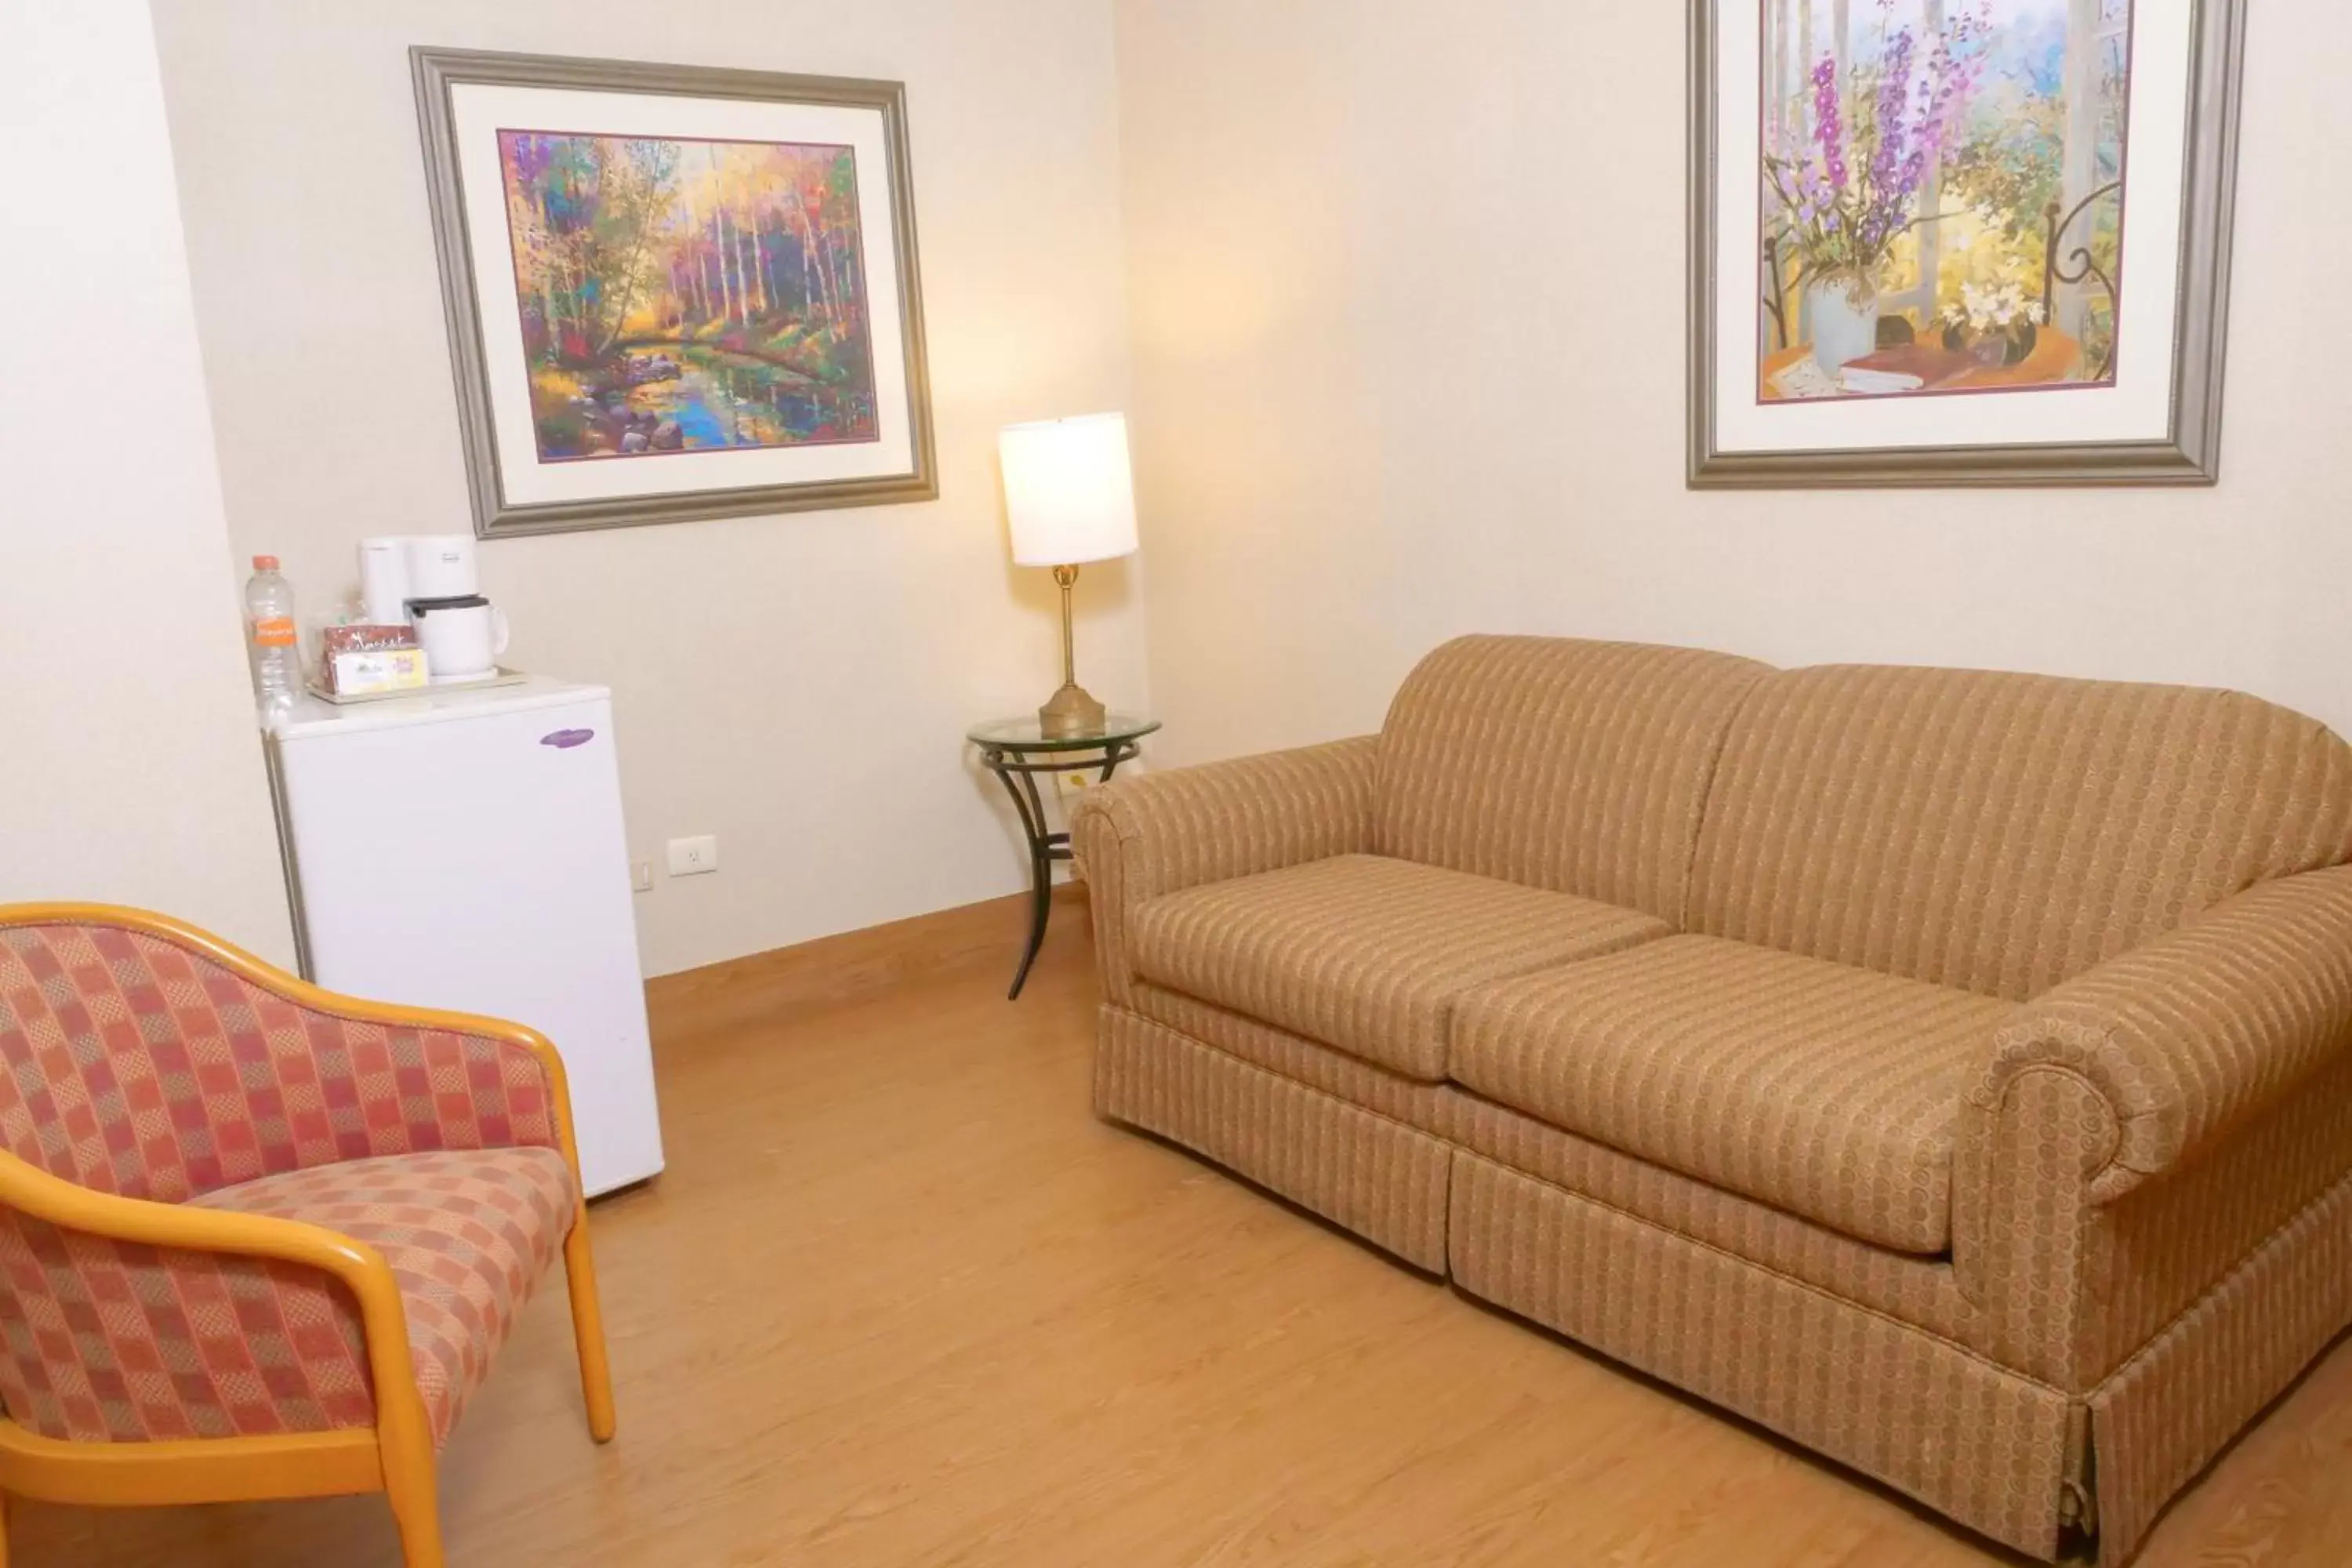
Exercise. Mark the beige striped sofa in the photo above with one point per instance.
(1950, 1070)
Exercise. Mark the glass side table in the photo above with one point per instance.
(1016, 750)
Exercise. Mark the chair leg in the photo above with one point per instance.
(587, 1334)
(414, 1491)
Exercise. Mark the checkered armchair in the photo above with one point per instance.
(257, 1239)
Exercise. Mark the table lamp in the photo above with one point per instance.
(1070, 497)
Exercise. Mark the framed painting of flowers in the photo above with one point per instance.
(673, 291)
(1960, 242)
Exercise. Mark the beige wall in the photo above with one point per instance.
(799, 685)
(132, 769)
(1406, 309)
(1407, 294)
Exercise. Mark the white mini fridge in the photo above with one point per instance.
(464, 849)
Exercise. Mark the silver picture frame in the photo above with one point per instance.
(435, 72)
(2188, 453)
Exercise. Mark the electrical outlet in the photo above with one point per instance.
(641, 875)
(1072, 785)
(693, 857)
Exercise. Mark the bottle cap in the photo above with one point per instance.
(264, 563)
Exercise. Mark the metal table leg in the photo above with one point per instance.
(1021, 786)
(1019, 773)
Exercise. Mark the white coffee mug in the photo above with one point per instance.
(460, 641)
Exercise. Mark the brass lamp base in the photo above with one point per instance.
(1072, 712)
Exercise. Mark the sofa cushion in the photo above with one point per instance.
(1364, 954)
(1828, 1091)
(2001, 833)
(1578, 767)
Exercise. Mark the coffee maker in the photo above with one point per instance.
(431, 581)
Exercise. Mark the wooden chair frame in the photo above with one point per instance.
(394, 1456)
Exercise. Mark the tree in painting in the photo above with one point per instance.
(688, 295)
(1942, 194)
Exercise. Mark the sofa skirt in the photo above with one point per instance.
(2168, 1411)
(1930, 1419)
(1997, 1451)
(1377, 1177)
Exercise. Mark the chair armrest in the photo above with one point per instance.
(2190, 1036)
(187, 1228)
(1140, 838)
(260, 1071)
(67, 1252)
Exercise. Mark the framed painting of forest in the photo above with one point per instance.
(673, 291)
(1960, 242)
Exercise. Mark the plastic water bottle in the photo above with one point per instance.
(269, 620)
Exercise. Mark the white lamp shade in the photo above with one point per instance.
(1069, 491)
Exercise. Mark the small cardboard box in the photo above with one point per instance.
(363, 672)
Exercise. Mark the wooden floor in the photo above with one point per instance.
(900, 1300)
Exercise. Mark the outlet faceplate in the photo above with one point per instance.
(694, 857)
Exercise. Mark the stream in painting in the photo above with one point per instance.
(689, 398)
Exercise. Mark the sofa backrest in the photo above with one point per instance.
(2000, 833)
(1575, 766)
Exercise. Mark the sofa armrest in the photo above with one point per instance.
(2192, 1036)
(1155, 833)
(2136, 1129)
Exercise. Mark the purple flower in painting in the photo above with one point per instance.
(1894, 99)
(1850, 188)
(1915, 171)
(1828, 122)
